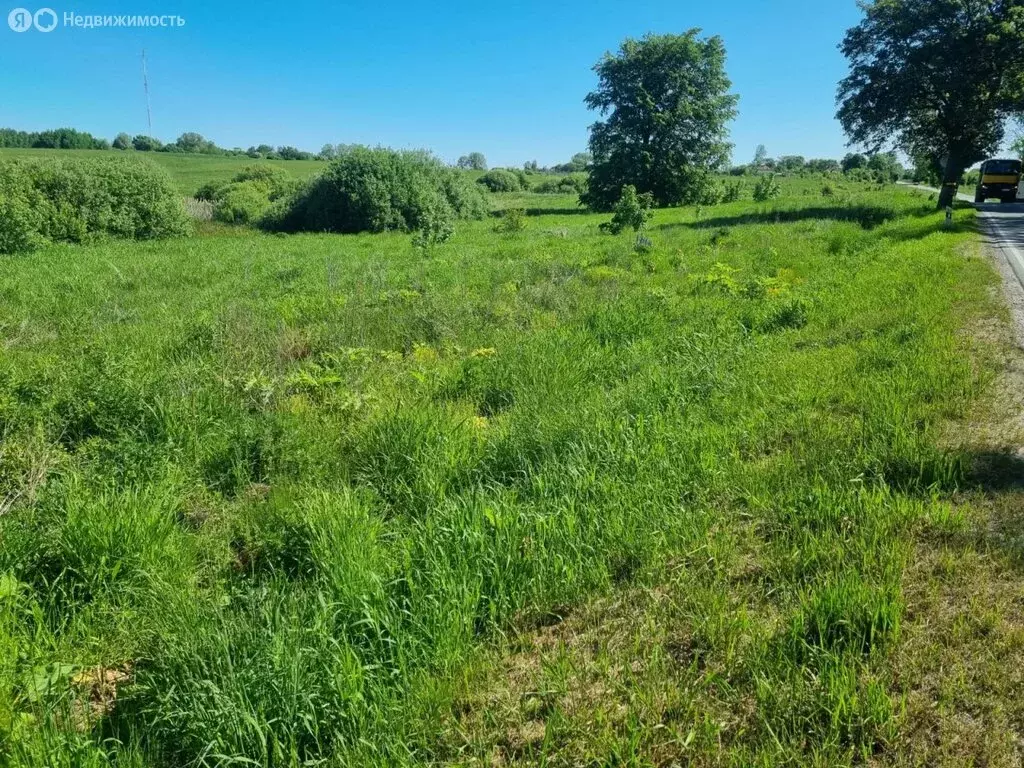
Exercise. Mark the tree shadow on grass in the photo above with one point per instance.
(868, 216)
(916, 229)
(991, 489)
(995, 471)
(546, 212)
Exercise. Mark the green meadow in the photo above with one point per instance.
(188, 171)
(542, 498)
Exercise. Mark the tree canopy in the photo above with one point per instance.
(1018, 146)
(667, 102)
(474, 161)
(937, 78)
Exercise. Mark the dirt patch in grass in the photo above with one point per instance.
(632, 678)
(98, 688)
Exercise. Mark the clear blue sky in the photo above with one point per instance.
(507, 79)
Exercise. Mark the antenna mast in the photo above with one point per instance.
(145, 87)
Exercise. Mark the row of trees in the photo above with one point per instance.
(475, 161)
(195, 143)
(789, 164)
(59, 138)
(885, 163)
(190, 142)
(938, 80)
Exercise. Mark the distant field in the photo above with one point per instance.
(188, 171)
(331, 500)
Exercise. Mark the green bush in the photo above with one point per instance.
(572, 184)
(19, 225)
(710, 194)
(632, 210)
(500, 180)
(241, 203)
(436, 226)
(548, 187)
(767, 188)
(513, 220)
(376, 190)
(209, 191)
(268, 175)
(86, 199)
(250, 194)
(275, 182)
(732, 192)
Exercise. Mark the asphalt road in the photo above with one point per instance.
(1004, 225)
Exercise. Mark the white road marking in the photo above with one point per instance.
(1009, 241)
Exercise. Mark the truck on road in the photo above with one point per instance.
(999, 178)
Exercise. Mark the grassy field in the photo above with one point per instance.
(534, 498)
(189, 172)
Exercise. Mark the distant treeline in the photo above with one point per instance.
(880, 166)
(191, 142)
(59, 138)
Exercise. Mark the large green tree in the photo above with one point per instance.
(667, 105)
(937, 78)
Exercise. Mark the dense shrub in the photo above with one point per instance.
(732, 191)
(573, 184)
(436, 226)
(632, 210)
(767, 188)
(577, 183)
(375, 190)
(147, 144)
(209, 191)
(250, 193)
(710, 194)
(241, 203)
(269, 175)
(513, 220)
(85, 199)
(500, 180)
(19, 224)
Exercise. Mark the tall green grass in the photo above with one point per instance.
(293, 485)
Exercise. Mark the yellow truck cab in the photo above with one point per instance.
(999, 178)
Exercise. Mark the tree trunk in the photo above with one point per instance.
(950, 182)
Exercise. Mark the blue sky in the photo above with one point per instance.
(507, 79)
